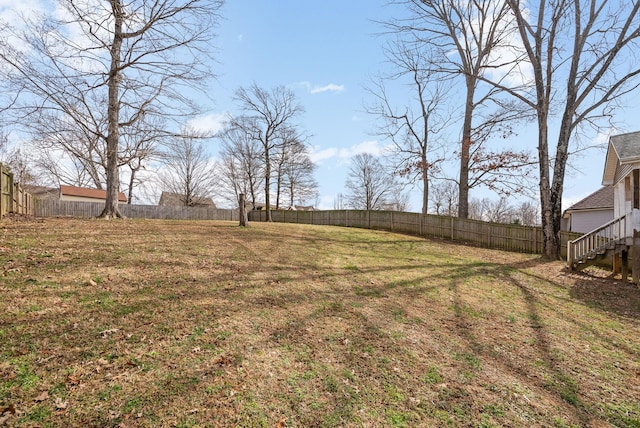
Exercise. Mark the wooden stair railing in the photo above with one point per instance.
(590, 245)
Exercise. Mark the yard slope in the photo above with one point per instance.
(185, 323)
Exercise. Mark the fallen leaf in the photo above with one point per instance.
(281, 423)
(42, 397)
(10, 409)
(72, 380)
(60, 405)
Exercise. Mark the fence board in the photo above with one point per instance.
(56, 208)
(508, 237)
(13, 198)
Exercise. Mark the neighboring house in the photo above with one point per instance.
(170, 199)
(305, 208)
(616, 238)
(622, 171)
(72, 193)
(589, 213)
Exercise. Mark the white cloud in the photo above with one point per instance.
(209, 123)
(331, 87)
(317, 156)
(372, 147)
(344, 155)
(316, 89)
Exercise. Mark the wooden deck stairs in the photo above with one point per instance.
(610, 239)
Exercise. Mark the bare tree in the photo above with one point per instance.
(527, 213)
(464, 36)
(240, 165)
(370, 185)
(580, 53)
(267, 114)
(444, 198)
(411, 128)
(129, 60)
(297, 173)
(497, 210)
(293, 169)
(339, 202)
(188, 171)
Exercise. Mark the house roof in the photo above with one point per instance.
(42, 192)
(177, 199)
(600, 199)
(623, 149)
(88, 193)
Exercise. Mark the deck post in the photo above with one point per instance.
(624, 264)
(635, 266)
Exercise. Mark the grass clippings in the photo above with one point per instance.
(142, 323)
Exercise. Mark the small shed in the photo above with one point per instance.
(590, 212)
(73, 193)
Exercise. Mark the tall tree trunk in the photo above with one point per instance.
(131, 181)
(546, 205)
(425, 184)
(267, 184)
(465, 149)
(557, 186)
(113, 116)
(244, 219)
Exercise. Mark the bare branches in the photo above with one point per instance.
(108, 67)
(580, 56)
(370, 185)
(268, 117)
(463, 41)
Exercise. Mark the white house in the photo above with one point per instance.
(616, 238)
(591, 212)
(622, 171)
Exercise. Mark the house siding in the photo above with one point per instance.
(586, 221)
(623, 171)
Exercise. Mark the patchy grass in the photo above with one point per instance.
(169, 323)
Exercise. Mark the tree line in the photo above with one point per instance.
(109, 87)
(563, 65)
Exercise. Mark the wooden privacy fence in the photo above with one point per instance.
(13, 199)
(56, 208)
(509, 237)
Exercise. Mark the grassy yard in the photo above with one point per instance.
(140, 323)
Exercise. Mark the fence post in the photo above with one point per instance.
(244, 219)
(451, 219)
(1, 190)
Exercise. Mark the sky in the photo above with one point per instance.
(326, 53)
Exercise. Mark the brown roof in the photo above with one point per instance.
(600, 199)
(89, 193)
(623, 149)
(177, 199)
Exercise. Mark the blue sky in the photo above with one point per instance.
(324, 52)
